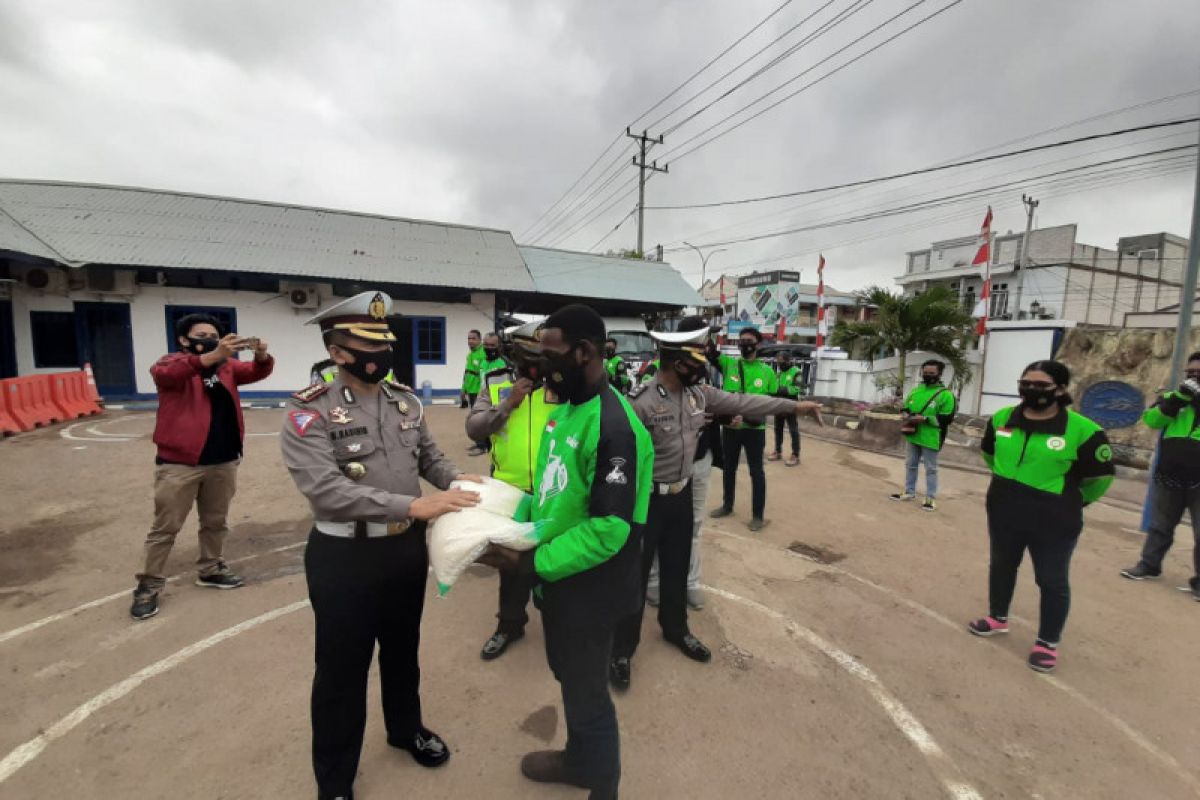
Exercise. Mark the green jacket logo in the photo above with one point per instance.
(555, 478)
(1056, 443)
(616, 476)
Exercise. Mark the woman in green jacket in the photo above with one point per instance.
(1047, 464)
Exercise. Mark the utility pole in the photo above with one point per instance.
(645, 142)
(1183, 332)
(1023, 260)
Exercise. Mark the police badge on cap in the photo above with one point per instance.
(364, 315)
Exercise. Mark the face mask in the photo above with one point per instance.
(201, 345)
(609, 352)
(1039, 398)
(564, 376)
(689, 374)
(748, 349)
(929, 380)
(492, 353)
(381, 359)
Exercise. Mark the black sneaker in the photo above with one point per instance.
(1139, 573)
(723, 511)
(221, 579)
(1193, 587)
(427, 748)
(145, 602)
(619, 673)
(494, 647)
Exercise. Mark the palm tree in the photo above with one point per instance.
(933, 322)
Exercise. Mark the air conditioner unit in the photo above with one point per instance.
(1148, 255)
(301, 295)
(51, 280)
(111, 281)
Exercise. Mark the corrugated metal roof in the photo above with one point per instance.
(565, 272)
(78, 224)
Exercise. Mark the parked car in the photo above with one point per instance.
(800, 352)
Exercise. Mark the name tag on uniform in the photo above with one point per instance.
(409, 425)
(1004, 432)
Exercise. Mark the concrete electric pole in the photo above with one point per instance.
(1023, 260)
(645, 142)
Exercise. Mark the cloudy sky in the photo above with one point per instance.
(486, 112)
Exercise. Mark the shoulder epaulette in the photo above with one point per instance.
(637, 390)
(401, 387)
(500, 372)
(311, 393)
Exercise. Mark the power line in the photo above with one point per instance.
(807, 86)
(927, 170)
(928, 203)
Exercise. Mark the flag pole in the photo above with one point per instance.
(983, 256)
(816, 365)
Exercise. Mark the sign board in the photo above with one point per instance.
(768, 297)
(1112, 404)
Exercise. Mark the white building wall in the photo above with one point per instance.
(295, 346)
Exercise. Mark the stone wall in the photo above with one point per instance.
(1139, 357)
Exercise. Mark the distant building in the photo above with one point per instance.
(1065, 279)
(763, 299)
(100, 274)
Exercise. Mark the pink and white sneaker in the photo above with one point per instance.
(1043, 658)
(988, 626)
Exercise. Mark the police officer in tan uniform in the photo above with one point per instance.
(673, 405)
(356, 448)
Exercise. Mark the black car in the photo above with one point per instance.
(799, 352)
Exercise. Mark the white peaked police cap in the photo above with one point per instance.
(364, 315)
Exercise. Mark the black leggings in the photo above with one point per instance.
(793, 427)
(1050, 547)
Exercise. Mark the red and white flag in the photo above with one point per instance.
(821, 331)
(983, 258)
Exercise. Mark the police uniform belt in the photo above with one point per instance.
(362, 530)
(671, 488)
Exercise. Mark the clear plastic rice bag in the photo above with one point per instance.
(458, 538)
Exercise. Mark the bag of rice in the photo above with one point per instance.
(458, 538)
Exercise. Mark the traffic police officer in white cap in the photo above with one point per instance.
(672, 406)
(356, 448)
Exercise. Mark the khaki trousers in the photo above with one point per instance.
(176, 488)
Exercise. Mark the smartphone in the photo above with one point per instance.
(763, 299)
(248, 343)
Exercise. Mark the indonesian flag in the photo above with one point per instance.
(782, 330)
(722, 293)
(983, 258)
(821, 331)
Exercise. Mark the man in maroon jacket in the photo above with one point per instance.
(199, 434)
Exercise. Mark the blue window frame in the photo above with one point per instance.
(429, 340)
(225, 315)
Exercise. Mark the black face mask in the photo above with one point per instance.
(609, 352)
(201, 345)
(689, 374)
(929, 380)
(492, 353)
(564, 376)
(382, 359)
(748, 349)
(1039, 398)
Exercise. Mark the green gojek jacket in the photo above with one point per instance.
(1179, 452)
(1065, 462)
(788, 381)
(618, 375)
(474, 371)
(760, 379)
(931, 432)
(649, 371)
(591, 489)
(515, 447)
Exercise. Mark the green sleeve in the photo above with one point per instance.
(524, 512)
(772, 382)
(987, 447)
(1163, 413)
(581, 547)
(1095, 466)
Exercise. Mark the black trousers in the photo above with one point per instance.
(793, 426)
(667, 534)
(486, 444)
(1050, 545)
(363, 591)
(1165, 516)
(577, 650)
(754, 442)
(514, 597)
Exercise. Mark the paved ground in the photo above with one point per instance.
(848, 679)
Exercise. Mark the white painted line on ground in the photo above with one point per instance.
(69, 433)
(1135, 736)
(945, 769)
(124, 593)
(25, 753)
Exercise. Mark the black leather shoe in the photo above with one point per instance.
(692, 647)
(618, 673)
(549, 766)
(328, 796)
(427, 748)
(495, 646)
